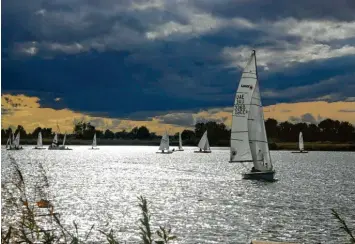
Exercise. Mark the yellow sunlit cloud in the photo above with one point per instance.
(26, 111)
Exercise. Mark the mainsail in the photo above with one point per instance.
(17, 140)
(248, 135)
(204, 144)
(164, 143)
(39, 140)
(55, 140)
(180, 142)
(94, 141)
(300, 142)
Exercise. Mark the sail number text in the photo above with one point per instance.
(239, 106)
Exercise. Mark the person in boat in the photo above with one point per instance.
(173, 149)
(200, 150)
(163, 151)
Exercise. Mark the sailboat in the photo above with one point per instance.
(14, 144)
(56, 146)
(164, 144)
(180, 143)
(94, 144)
(39, 142)
(248, 135)
(300, 144)
(204, 145)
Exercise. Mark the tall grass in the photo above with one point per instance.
(22, 223)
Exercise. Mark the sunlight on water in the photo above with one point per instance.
(201, 196)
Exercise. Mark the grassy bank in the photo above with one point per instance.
(309, 146)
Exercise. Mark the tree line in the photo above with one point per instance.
(218, 134)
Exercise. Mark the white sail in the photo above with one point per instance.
(65, 137)
(204, 144)
(39, 140)
(17, 140)
(8, 143)
(94, 141)
(164, 143)
(55, 139)
(300, 142)
(248, 134)
(180, 141)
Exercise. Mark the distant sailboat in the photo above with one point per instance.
(180, 143)
(164, 144)
(204, 145)
(94, 144)
(14, 144)
(248, 135)
(300, 144)
(55, 145)
(39, 142)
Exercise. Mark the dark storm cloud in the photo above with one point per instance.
(98, 57)
(278, 9)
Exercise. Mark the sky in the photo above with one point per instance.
(167, 64)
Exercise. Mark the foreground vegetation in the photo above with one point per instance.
(21, 223)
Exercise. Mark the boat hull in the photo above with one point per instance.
(169, 152)
(267, 176)
(95, 148)
(14, 148)
(39, 148)
(181, 150)
(300, 152)
(59, 148)
(202, 151)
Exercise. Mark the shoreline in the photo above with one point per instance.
(274, 146)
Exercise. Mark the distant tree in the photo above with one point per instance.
(36, 131)
(121, 135)
(143, 133)
(285, 131)
(345, 132)
(109, 134)
(153, 135)
(188, 135)
(47, 132)
(271, 128)
(99, 134)
(176, 136)
(21, 130)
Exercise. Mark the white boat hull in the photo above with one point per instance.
(168, 152)
(19, 148)
(59, 148)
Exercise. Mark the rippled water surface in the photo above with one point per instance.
(201, 196)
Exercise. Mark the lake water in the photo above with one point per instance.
(200, 196)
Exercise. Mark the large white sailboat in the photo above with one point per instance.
(94, 143)
(300, 144)
(204, 145)
(164, 144)
(39, 142)
(248, 135)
